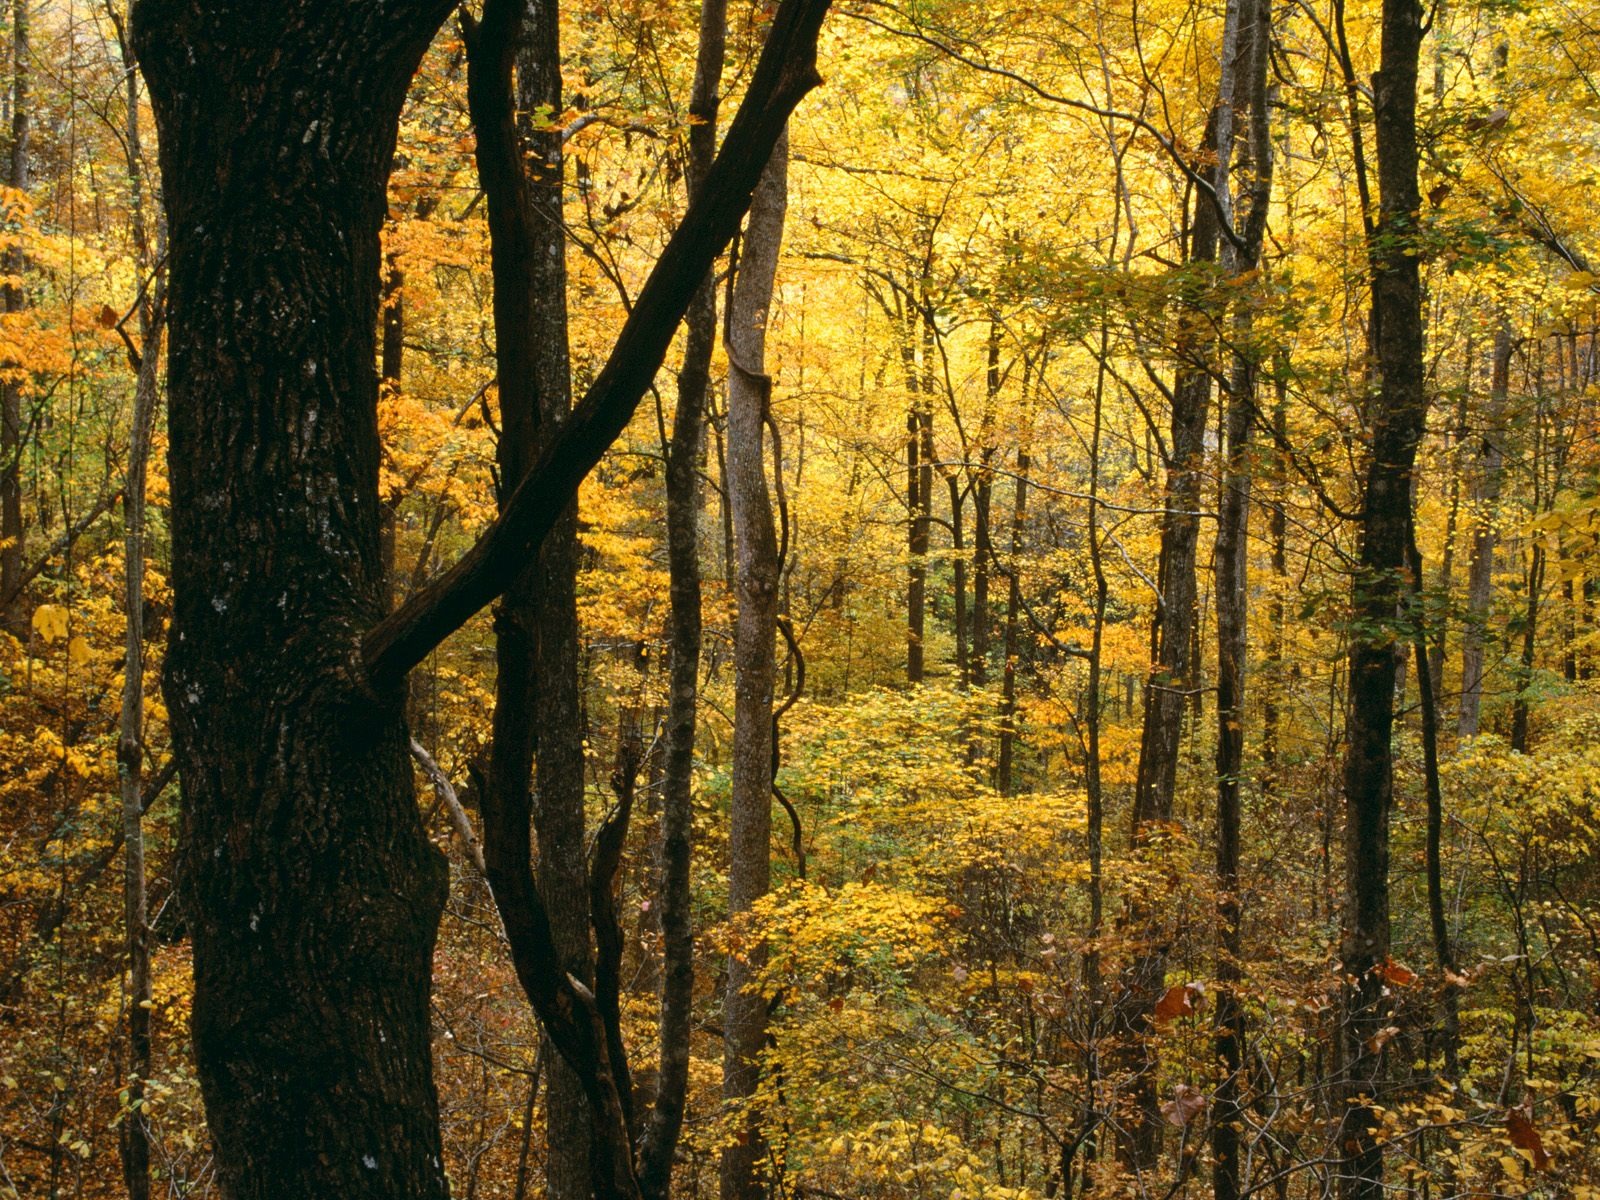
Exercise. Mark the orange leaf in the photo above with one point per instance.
(1396, 974)
(1382, 1038)
(1524, 1136)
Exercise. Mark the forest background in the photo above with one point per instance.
(1032, 519)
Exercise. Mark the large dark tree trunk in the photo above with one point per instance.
(744, 1022)
(311, 891)
(1378, 591)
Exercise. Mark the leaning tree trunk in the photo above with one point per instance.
(1377, 594)
(744, 1022)
(311, 891)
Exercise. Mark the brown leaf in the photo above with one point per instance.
(1181, 1000)
(1524, 1136)
(1187, 1103)
(108, 317)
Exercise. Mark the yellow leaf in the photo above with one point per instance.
(78, 650)
(50, 622)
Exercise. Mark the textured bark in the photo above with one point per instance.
(310, 888)
(1377, 593)
(659, 1138)
(744, 1022)
(1486, 501)
(14, 300)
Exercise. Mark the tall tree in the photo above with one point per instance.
(660, 1137)
(744, 1023)
(312, 893)
(1378, 593)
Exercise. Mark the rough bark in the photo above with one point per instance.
(1377, 593)
(1480, 572)
(755, 632)
(311, 891)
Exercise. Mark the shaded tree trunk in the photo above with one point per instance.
(310, 888)
(756, 544)
(1378, 592)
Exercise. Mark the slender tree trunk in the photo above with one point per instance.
(1232, 561)
(958, 547)
(660, 1137)
(1170, 681)
(15, 301)
(301, 844)
(1005, 770)
(135, 1128)
(917, 502)
(755, 541)
(1378, 592)
(982, 496)
(1278, 540)
(1480, 574)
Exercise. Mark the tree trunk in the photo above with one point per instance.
(1170, 681)
(1252, 45)
(135, 1135)
(917, 501)
(1480, 574)
(660, 1137)
(982, 496)
(1005, 768)
(15, 301)
(750, 838)
(310, 888)
(1377, 594)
